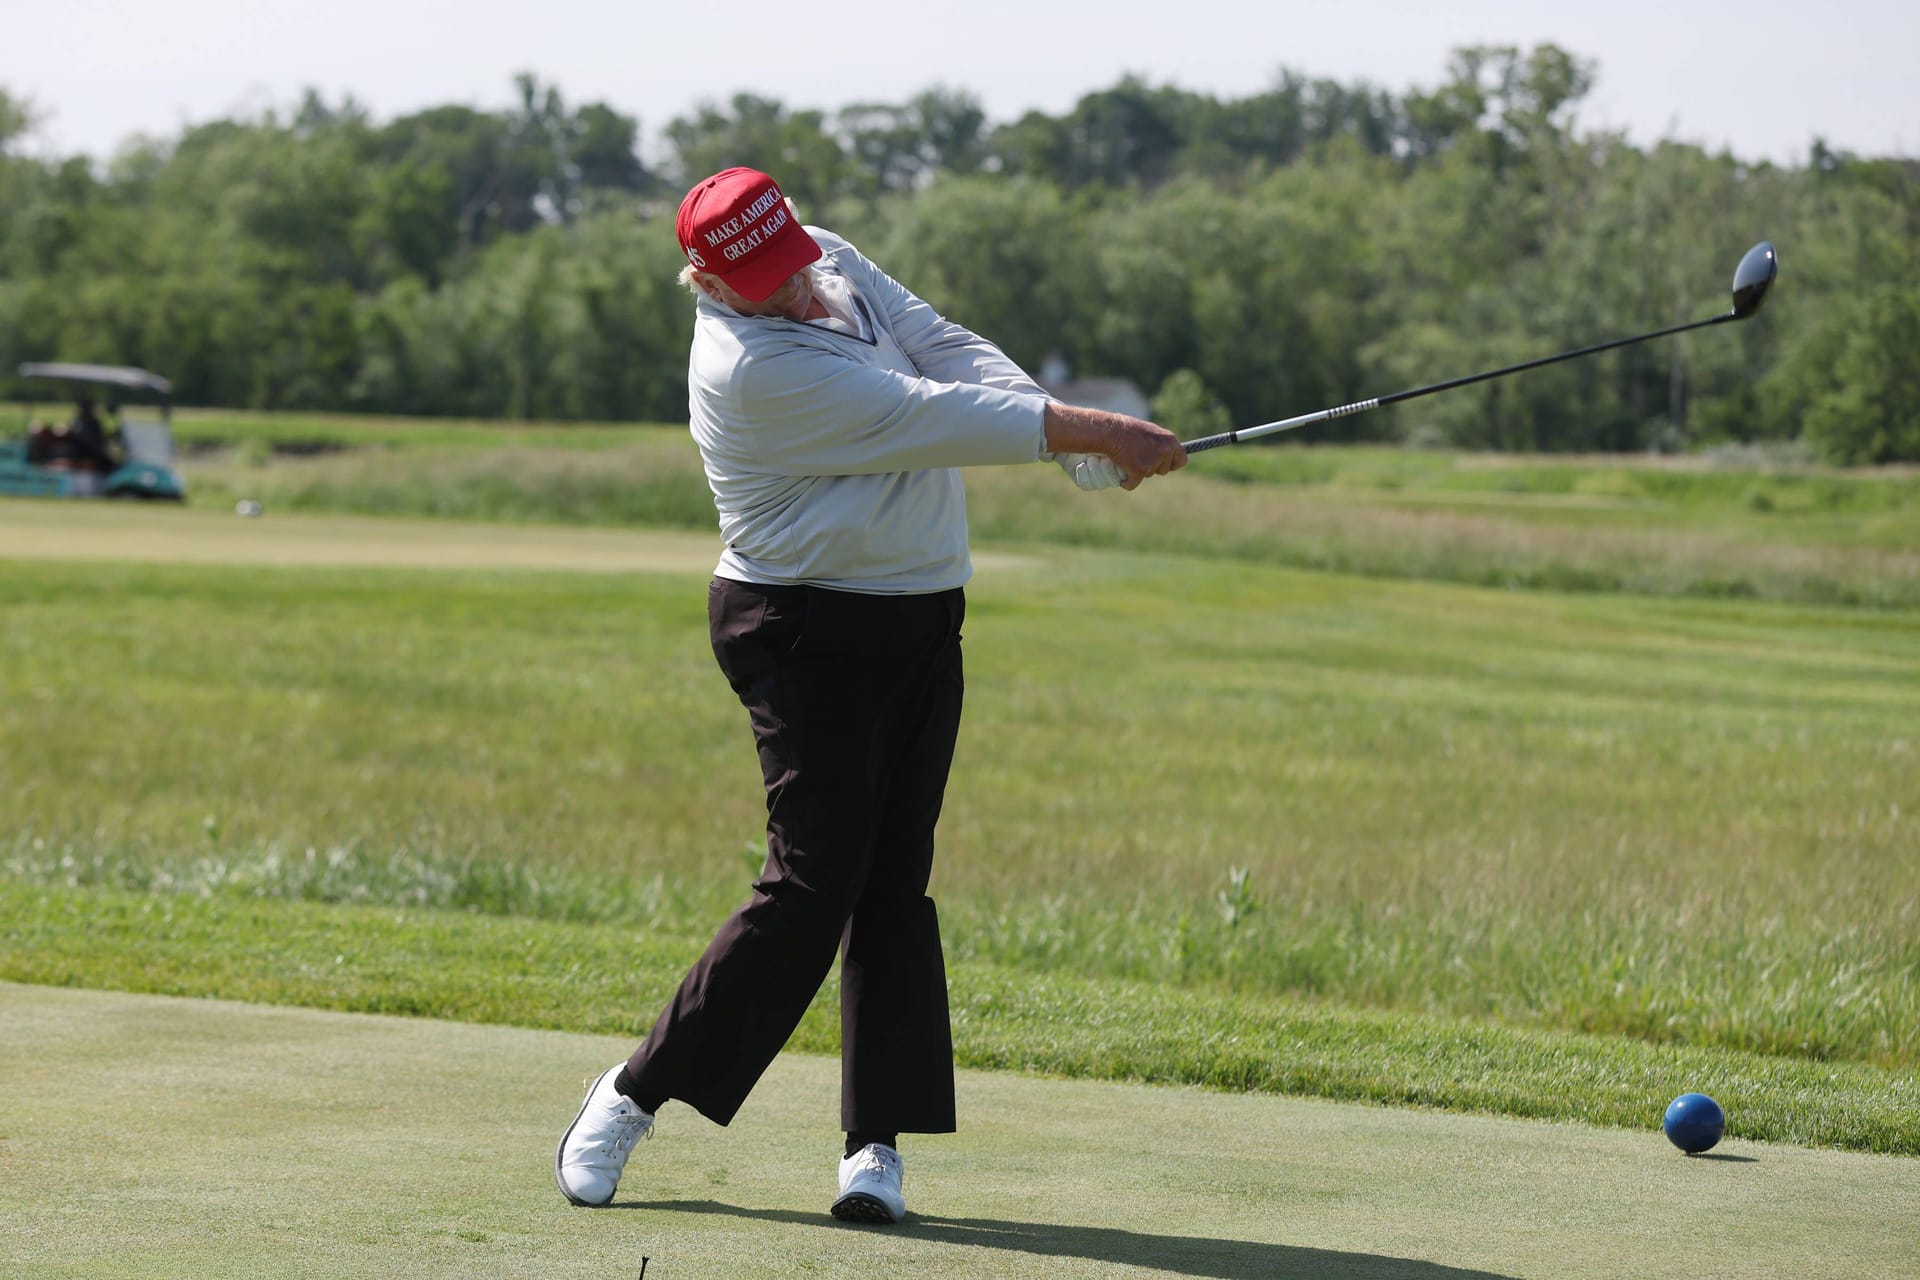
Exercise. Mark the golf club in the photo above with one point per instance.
(1750, 281)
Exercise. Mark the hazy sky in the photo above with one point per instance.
(1761, 77)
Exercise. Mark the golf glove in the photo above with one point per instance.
(1091, 470)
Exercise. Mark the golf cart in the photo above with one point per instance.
(128, 454)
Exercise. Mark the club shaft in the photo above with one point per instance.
(1361, 406)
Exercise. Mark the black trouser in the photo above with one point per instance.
(855, 704)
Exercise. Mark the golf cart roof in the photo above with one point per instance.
(104, 375)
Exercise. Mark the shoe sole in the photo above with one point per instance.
(559, 1152)
(858, 1206)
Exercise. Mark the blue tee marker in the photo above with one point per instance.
(1694, 1123)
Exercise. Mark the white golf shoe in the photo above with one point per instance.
(870, 1186)
(595, 1147)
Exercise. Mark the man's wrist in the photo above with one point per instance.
(1073, 428)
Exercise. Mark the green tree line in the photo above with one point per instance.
(1240, 259)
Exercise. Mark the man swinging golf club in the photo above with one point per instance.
(832, 409)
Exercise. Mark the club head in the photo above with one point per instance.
(1751, 279)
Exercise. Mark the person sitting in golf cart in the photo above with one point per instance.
(81, 444)
(89, 438)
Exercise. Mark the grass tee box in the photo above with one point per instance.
(252, 1141)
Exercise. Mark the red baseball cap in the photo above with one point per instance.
(737, 225)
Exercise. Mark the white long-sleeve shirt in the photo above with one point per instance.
(832, 451)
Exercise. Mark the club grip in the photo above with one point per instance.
(1205, 443)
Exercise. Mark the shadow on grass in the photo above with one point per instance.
(1179, 1255)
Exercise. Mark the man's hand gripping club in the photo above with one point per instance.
(1101, 449)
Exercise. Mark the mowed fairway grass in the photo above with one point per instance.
(1212, 821)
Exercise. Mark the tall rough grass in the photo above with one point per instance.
(643, 484)
(1687, 971)
(1658, 551)
(1585, 525)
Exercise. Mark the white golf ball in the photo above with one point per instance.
(246, 507)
